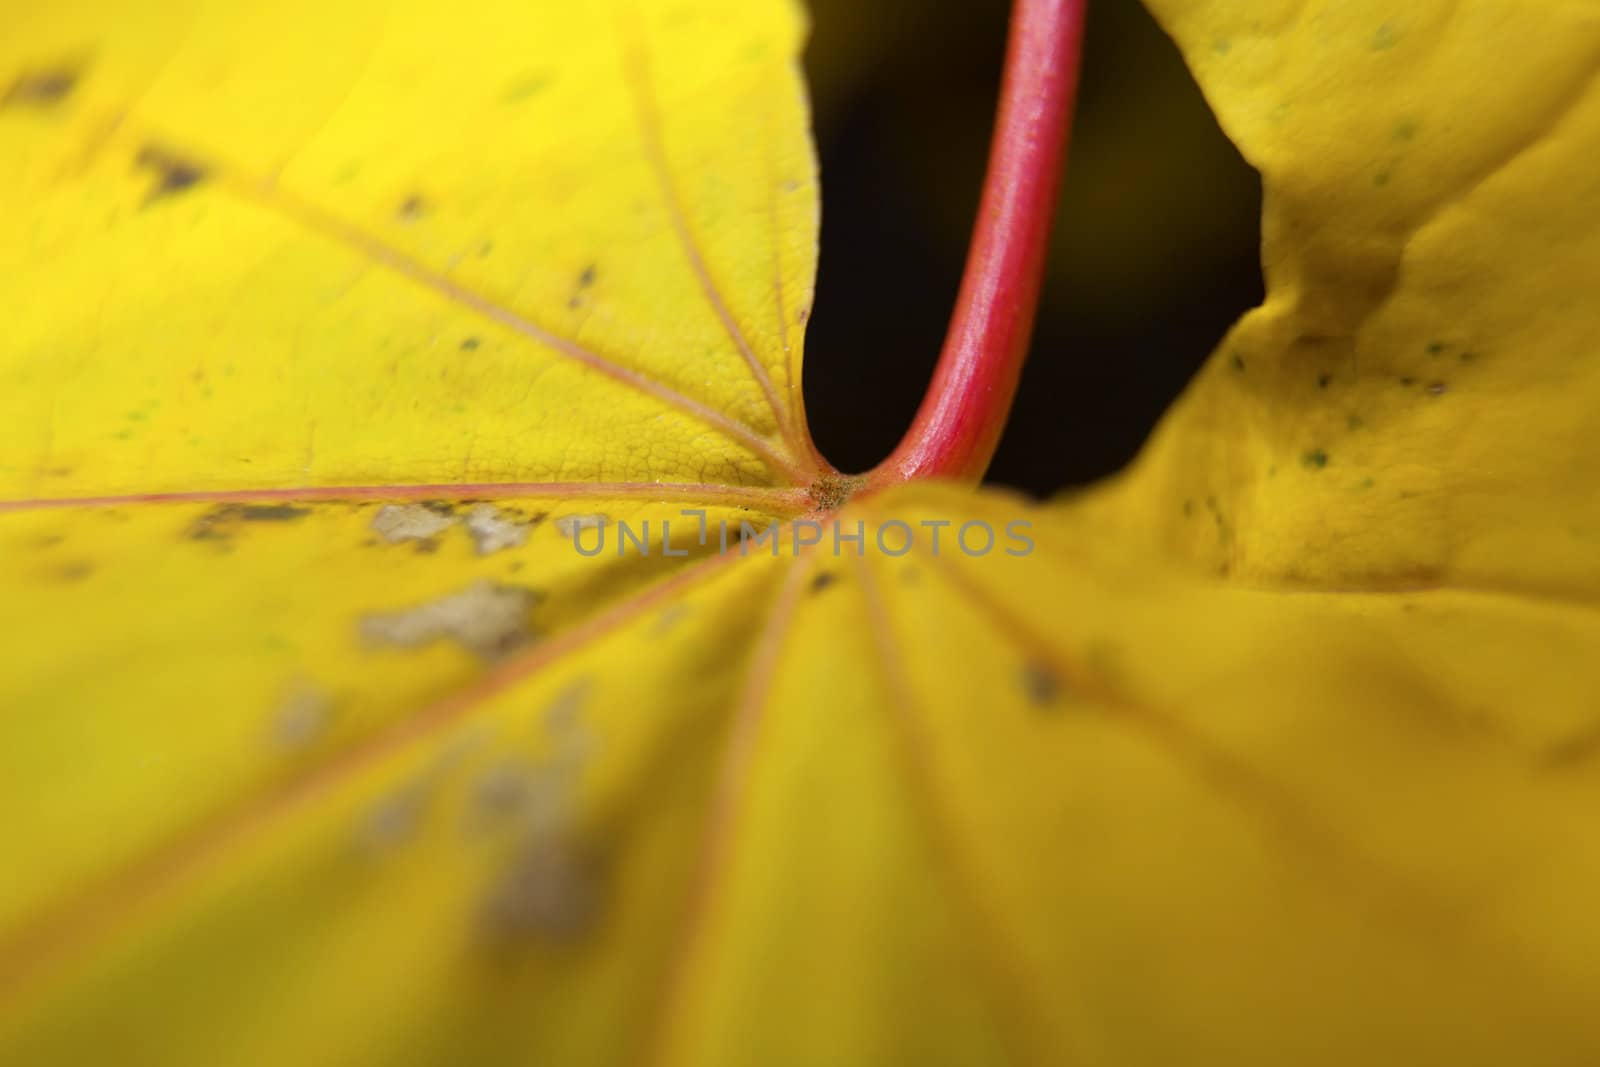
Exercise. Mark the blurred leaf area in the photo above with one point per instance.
(1156, 244)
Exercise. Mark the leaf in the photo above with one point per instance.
(1413, 404)
(375, 323)
(328, 747)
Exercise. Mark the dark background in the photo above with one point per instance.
(1155, 249)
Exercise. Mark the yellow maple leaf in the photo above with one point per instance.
(337, 332)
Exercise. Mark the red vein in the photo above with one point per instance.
(116, 898)
(777, 500)
(1016, 1007)
(731, 788)
(636, 63)
(327, 225)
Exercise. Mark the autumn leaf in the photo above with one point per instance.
(337, 334)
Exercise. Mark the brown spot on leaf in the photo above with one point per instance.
(75, 571)
(470, 344)
(550, 890)
(412, 208)
(822, 580)
(174, 173)
(1040, 683)
(223, 521)
(1574, 751)
(487, 618)
(585, 280)
(41, 88)
(271, 512)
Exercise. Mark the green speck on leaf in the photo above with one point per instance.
(1315, 460)
(526, 87)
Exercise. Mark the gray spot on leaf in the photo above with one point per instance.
(1040, 683)
(493, 530)
(394, 819)
(301, 716)
(549, 888)
(409, 522)
(487, 618)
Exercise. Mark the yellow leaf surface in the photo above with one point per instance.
(1415, 402)
(335, 328)
(386, 243)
